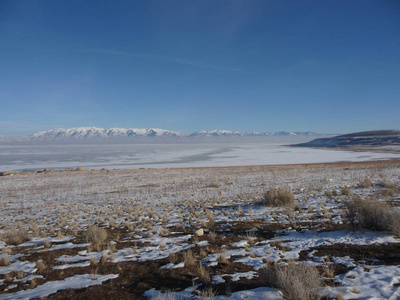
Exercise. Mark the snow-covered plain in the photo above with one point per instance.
(152, 215)
(132, 156)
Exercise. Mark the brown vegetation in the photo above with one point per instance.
(278, 197)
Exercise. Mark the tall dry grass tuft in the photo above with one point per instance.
(97, 237)
(46, 244)
(189, 258)
(211, 219)
(8, 278)
(251, 237)
(4, 261)
(15, 237)
(207, 294)
(204, 275)
(222, 258)
(278, 197)
(41, 265)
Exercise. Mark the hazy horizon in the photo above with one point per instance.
(184, 134)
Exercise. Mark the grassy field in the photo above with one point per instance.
(273, 232)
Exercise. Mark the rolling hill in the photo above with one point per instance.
(375, 140)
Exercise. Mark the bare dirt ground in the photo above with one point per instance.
(197, 232)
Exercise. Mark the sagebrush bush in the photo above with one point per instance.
(346, 191)
(278, 197)
(370, 214)
(395, 222)
(389, 192)
(297, 281)
(366, 183)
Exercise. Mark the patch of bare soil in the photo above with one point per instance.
(388, 254)
(136, 278)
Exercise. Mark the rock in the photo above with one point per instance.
(199, 232)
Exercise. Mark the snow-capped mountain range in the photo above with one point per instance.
(219, 132)
(94, 134)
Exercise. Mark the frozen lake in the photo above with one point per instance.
(30, 158)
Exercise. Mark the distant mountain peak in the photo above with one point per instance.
(216, 132)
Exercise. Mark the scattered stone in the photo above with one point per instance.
(199, 232)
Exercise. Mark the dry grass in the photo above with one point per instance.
(212, 235)
(251, 237)
(93, 261)
(207, 294)
(173, 258)
(33, 284)
(211, 219)
(297, 281)
(8, 278)
(222, 258)
(15, 237)
(163, 244)
(329, 271)
(104, 258)
(278, 197)
(41, 265)
(20, 274)
(46, 244)
(179, 203)
(189, 258)
(4, 261)
(97, 237)
(204, 275)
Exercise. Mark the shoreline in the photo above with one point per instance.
(250, 167)
(377, 149)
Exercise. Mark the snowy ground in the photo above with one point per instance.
(31, 158)
(151, 216)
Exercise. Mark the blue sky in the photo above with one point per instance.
(329, 66)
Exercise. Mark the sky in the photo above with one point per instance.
(329, 66)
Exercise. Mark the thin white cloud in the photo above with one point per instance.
(158, 57)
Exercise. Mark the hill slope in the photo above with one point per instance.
(376, 140)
